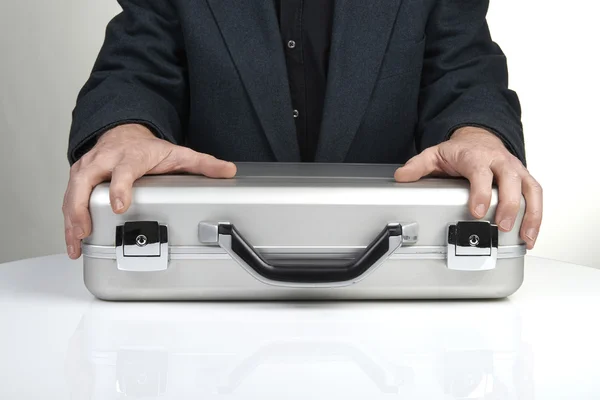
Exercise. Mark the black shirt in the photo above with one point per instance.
(306, 27)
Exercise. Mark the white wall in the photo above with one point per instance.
(552, 47)
(48, 48)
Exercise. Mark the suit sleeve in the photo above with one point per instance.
(465, 78)
(139, 77)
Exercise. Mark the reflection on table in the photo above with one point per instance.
(259, 350)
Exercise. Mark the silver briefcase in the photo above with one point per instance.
(299, 231)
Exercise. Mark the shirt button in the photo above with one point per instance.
(291, 44)
(296, 114)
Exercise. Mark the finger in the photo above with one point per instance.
(70, 241)
(73, 246)
(509, 195)
(123, 177)
(418, 166)
(187, 160)
(481, 179)
(532, 221)
(77, 200)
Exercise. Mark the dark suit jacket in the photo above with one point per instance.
(211, 75)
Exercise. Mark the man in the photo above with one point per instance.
(181, 85)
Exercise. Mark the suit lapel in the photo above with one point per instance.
(361, 32)
(251, 32)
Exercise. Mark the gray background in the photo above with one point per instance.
(48, 47)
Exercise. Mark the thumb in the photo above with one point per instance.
(418, 167)
(204, 164)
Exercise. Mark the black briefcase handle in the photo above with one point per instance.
(286, 273)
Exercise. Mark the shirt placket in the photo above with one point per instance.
(292, 19)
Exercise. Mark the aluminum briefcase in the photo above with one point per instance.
(299, 231)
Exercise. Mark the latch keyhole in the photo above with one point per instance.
(473, 240)
(141, 240)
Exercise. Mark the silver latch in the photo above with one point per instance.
(472, 246)
(142, 246)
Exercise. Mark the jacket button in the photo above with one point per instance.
(296, 114)
(291, 44)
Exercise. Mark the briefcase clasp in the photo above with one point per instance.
(472, 246)
(142, 246)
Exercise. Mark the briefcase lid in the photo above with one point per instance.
(300, 208)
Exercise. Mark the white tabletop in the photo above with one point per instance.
(58, 342)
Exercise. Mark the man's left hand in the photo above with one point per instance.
(481, 157)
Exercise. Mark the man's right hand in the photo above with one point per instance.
(121, 156)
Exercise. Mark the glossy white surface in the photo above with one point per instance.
(58, 342)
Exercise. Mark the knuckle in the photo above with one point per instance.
(481, 171)
(123, 174)
(535, 186)
(478, 167)
(73, 214)
(515, 162)
(482, 194)
(534, 214)
(172, 165)
(177, 155)
(466, 154)
(208, 160)
(144, 156)
(86, 159)
(512, 176)
(142, 152)
(501, 155)
(74, 220)
(428, 152)
(79, 177)
(75, 169)
(512, 204)
(75, 176)
(116, 191)
(182, 156)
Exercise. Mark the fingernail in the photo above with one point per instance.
(506, 224)
(71, 251)
(531, 234)
(119, 204)
(480, 210)
(78, 232)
